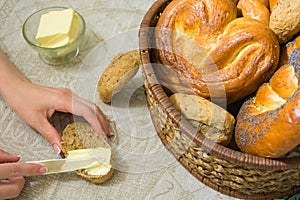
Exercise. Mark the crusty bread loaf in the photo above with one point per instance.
(120, 70)
(217, 53)
(214, 122)
(80, 135)
(269, 124)
(285, 19)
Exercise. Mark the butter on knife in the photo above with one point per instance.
(80, 159)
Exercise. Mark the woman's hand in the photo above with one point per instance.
(35, 104)
(12, 172)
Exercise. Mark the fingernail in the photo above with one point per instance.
(43, 170)
(111, 133)
(17, 155)
(56, 148)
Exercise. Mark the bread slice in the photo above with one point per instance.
(80, 135)
(122, 68)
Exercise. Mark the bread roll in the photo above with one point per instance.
(218, 54)
(285, 19)
(268, 124)
(80, 135)
(214, 122)
(120, 70)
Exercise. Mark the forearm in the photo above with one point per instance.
(10, 77)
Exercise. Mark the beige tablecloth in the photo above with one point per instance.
(144, 169)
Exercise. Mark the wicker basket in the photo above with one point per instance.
(224, 169)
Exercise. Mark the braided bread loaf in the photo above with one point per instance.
(204, 45)
(269, 124)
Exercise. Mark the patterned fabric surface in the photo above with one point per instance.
(144, 169)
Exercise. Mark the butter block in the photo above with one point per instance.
(57, 28)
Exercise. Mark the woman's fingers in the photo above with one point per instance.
(94, 116)
(6, 157)
(105, 125)
(16, 169)
(11, 188)
(88, 110)
(50, 134)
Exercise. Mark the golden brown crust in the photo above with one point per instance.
(272, 3)
(268, 124)
(255, 9)
(203, 114)
(265, 2)
(218, 54)
(80, 135)
(120, 70)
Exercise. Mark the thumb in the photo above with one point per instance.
(51, 135)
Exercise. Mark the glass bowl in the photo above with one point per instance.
(58, 55)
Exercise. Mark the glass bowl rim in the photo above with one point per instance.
(79, 37)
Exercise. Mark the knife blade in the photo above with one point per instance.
(67, 164)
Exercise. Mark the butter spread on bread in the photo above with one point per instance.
(102, 156)
(80, 136)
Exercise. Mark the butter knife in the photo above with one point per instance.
(67, 165)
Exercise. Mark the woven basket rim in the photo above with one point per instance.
(237, 157)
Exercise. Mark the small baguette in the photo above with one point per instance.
(214, 122)
(80, 135)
